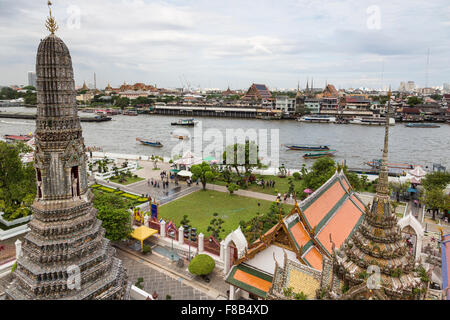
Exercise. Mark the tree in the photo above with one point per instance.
(291, 186)
(17, 180)
(155, 160)
(322, 170)
(122, 102)
(242, 155)
(185, 221)
(436, 179)
(215, 226)
(435, 199)
(232, 187)
(113, 211)
(202, 265)
(203, 172)
(412, 101)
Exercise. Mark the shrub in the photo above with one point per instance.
(168, 297)
(202, 265)
(287, 292)
(300, 296)
(296, 175)
(14, 267)
(147, 249)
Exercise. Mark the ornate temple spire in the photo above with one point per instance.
(383, 184)
(51, 24)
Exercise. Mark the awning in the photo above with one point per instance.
(185, 173)
(412, 190)
(250, 280)
(174, 170)
(209, 159)
(141, 233)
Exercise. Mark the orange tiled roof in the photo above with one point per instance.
(340, 225)
(314, 258)
(316, 211)
(299, 233)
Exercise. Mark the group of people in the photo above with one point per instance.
(266, 183)
(156, 184)
(285, 196)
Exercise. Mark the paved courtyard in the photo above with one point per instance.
(161, 281)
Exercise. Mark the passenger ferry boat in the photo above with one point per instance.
(317, 118)
(184, 122)
(149, 142)
(372, 121)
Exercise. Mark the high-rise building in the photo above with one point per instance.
(32, 78)
(65, 254)
(446, 87)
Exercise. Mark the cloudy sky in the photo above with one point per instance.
(213, 44)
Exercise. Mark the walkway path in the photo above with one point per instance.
(215, 289)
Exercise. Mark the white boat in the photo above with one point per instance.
(372, 121)
(317, 118)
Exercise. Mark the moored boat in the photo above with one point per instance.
(377, 164)
(184, 122)
(422, 125)
(130, 113)
(372, 121)
(149, 142)
(14, 138)
(321, 154)
(307, 148)
(317, 118)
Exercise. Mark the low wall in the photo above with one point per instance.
(6, 234)
(139, 294)
(15, 221)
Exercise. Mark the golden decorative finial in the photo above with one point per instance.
(51, 23)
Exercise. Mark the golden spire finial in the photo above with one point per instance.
(51, 23)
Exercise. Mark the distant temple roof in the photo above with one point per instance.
(258, 92)
(330, 91)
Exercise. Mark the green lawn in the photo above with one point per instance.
(281, 185)
(128, 180)
(201, 205)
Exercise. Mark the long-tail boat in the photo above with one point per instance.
(23, 138)
(321, 154)
(149, 142)
(307, 148)
(422, 125)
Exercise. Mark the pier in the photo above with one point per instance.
(32, 116)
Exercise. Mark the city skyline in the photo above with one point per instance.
(216, 45)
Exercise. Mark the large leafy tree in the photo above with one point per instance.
(203, 172)
(320, 172)
(113, 211)
(436, 180)
(436, 199)
(242, 156)
(17, 180)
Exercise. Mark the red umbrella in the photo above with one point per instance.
(308, 191)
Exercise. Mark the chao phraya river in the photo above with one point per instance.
(355, 144)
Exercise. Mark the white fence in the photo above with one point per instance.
(15, 221)
(6, 234)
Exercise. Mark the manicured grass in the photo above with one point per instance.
(127, 180)
(281, 185)
(201, 205)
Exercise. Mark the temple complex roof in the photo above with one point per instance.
(257, 92)
(329, 215)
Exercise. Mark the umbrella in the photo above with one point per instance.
(412, 190)
(209, 159)
(308, 191)
(185, 173)
(418, 172)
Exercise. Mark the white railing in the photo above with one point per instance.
(139, 294)
(15, 221)
(6, 234)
